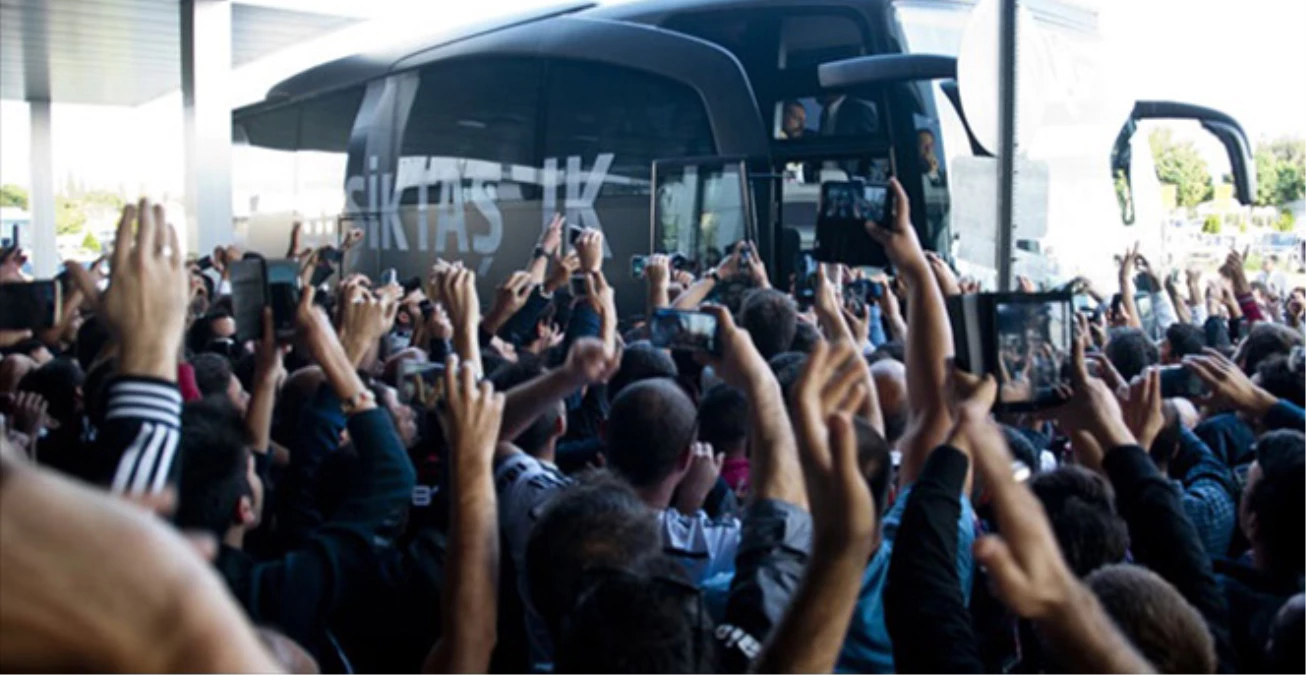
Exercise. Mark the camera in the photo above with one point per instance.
(29, 305)
(1022, 339)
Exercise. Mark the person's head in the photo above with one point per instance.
(925, 145)
(645, 619)
(890, 379)
(215, 325)
(59, 382)
(1282, 376)
(1181, 339)
(1081, 507)
(787, 366)
(1269, 262)
(1131, 351)
(641, 361)
(771, 319)
(214, 377)
(299, 388)
(599, 522)
(92, 337)
(222, 493)
(1264, 340)
(806, 337)
(1284, 650)
(541, 437)
(648, 434)
(723, 420)
(795, 119)
(1168, 631)
(33, 349)
(403, 416)
(1271, 514)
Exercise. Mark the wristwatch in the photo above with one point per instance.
(539, 253)
(713, 275)
(357, 401)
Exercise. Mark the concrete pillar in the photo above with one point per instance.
(205, 90)
(44, 253)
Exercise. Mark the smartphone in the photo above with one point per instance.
(637, 265)
(844, 210)
(331, 255)
(283, 295)
(1180, 382)
(205, 263)
(877, 204)
(1022, 339)
(29, 305)
(421, 384)
(805, 278)
(248, 297)
(321, 272)
(876, 290)
(684, 330)
(680, 262)
(745, 254)
(390, 276)
(856, 295)
(573, 234)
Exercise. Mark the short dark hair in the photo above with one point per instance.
(201, 333)
(1275, 500)
(92, 336)
(650, 424)
(806, 337)
(771, 318)
(535, 436)
(57, 381)
(214, 460)
(1264, 340)
(648, 619)
(1081, 508)
(1131, 351)
(597, 522)
(1168, 631)
(641, 361)
(1281, 375)
(1021, 447)
(1184, 339)
(723, 416)
(875, 460)
(787, 367)
(212, 373)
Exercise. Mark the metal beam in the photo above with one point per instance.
(45, 254)
(205, 84)
(1006, 139)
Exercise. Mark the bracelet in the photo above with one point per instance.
(539, 253)
(362, 398)
(713, 275)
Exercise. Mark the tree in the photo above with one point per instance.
(13, 195)
(1180, 164)
(68, 216)
(1211, 225)
(90, 243)
(1280, 171)
(1286, 221)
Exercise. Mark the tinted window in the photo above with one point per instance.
(634, 117)
(484, 109)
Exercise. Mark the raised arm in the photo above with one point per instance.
(930, 339)
(774, 466)
(550, 241)
(269, 371)
(1128, 262)
(657, 275)
(588, 362)
(145, 308)
(809, 636)
(472, 574)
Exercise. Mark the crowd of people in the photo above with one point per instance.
(418, 481)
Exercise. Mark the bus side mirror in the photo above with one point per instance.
(1222, 126)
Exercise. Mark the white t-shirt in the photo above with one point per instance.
(706, 547)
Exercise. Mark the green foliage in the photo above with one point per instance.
(1280, 171)
(90, 243)
(13, 195)
(1180, 164)
(1211, 225)
(69, 218)
(1286, 221)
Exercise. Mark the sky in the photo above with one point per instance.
(1246, 58)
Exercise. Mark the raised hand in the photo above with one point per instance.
(1232, 269)
(822, 404)
(899, 238)
(739, 362)
(590, 362)
(560, 273)
(474, 412)
(551, 238)
(943, 274)
(699, 478)
(657, 270)
(1128, 263)
(352, 238)
(590, 249)
(1142, 408)
(510, 297)
(365, 317)
(1092, 408)
(145, 304)
(1229, 385)
(754, 268)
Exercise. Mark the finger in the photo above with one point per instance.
(468, 375)
(122, 242)
(1080, 371)
(144, 228)
(843, 449)
(451, 378)
(269, 335)
(161, 235)
(852, 403)
(178, 256)
(899, 197)
(846, 372)
(306, 298)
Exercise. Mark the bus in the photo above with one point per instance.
(686, 125)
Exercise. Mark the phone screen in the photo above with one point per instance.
(637, 264)
(1034, 344)
(845, 209)
(684, 330)
(875, 205)
(1180, 382)
(248, 287)
(283, 295)
(28, 305)
(421, 384)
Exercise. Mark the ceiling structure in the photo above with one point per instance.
(127, 52)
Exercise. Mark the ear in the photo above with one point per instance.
(245, 515)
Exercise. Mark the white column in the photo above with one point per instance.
(205, 86)
(45, 255)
